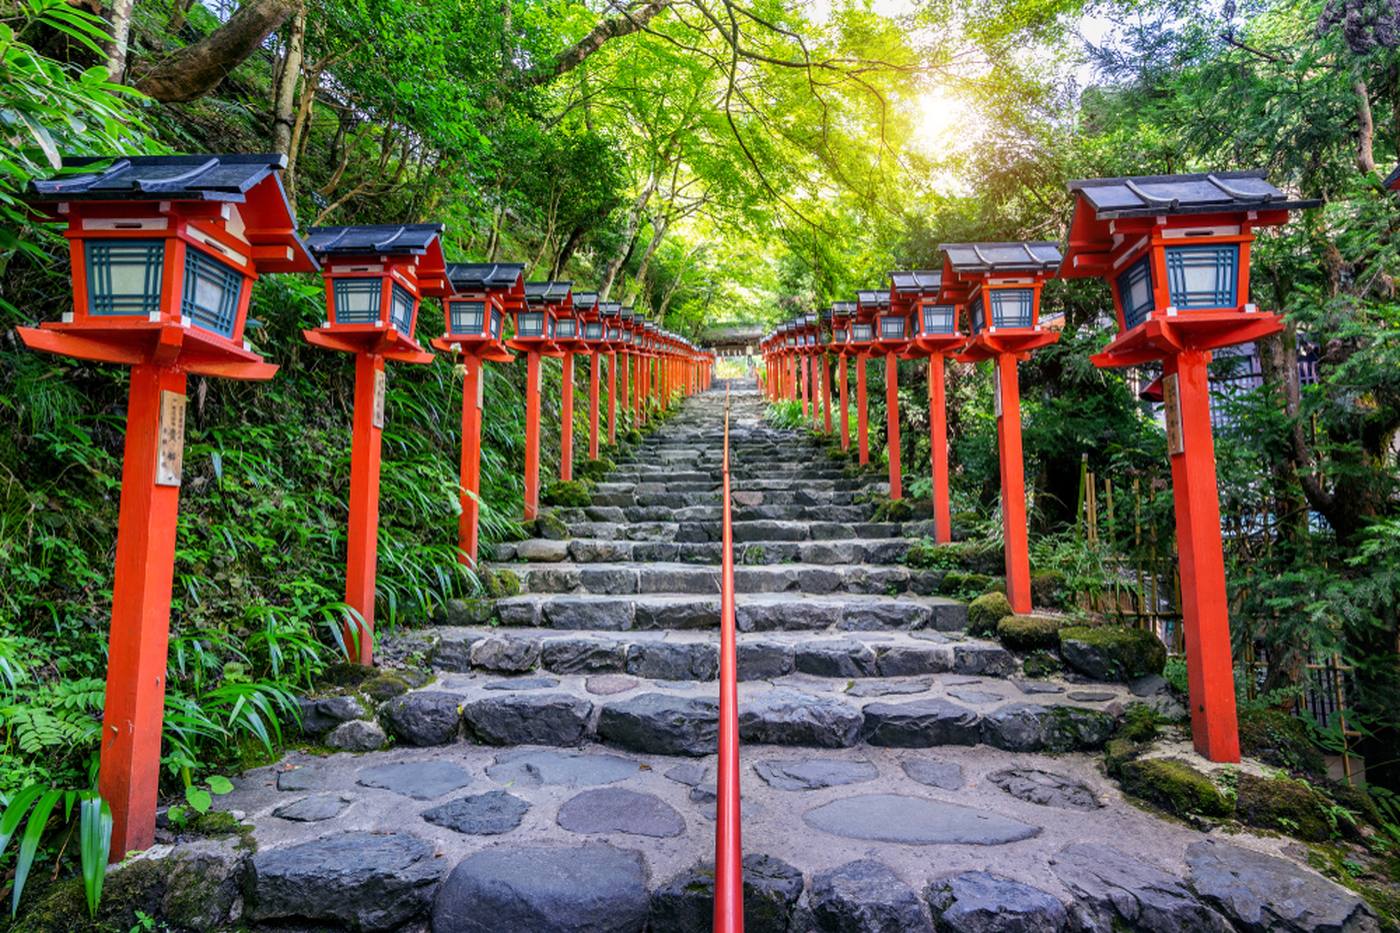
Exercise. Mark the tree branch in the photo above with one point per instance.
(626, 23)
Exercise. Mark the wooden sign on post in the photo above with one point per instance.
(1171, 401)
(170, 439)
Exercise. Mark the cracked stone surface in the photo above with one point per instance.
(488, 814)
(814, 773)
(915, 821)
(1046, 788)
(421, 780)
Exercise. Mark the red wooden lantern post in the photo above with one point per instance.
(164, 252)
(567, 340)
(611, 312)
(591, 326)
(811, 348)
(893, 333)
(474, 313)
(935, 335)
(376, 276)
(824, 343)
(533, 335)
(626, 354)
(863, 339)
(1000, 285)
(842, 315)
(1175, 252)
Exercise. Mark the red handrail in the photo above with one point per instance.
(729, 870)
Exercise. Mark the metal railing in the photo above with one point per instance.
(729, 871)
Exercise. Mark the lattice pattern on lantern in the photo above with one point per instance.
(124, 276)
(938, 319)
(213, 293)
(1135, 291)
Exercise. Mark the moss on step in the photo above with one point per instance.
(1112, 652)
(891, 510)
(1041, 664)
(595, 469)
(1026, 633)
(1173, 785)
(1048, 589)
(575, 493)
(1118, 752)
(1139, 723)
(1284, 805)
(499, 582)
(551, 526)
(385, 686)
(984, 612)
(923, 555)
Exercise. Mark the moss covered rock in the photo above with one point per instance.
(1173, 785)
(1112, 652)
(595, 469)
(964, 585)
(1026, 633)
(922, 554)
(984, 612)
(384, 687)
(499, 583)
(1048, 589)
(1118, 752)
(551, 526)
(1139, 723)
(572, 493)
(892, 510)
(1274, 737)
(1284, 805)
(1074, 728)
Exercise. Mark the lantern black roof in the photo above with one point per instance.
(1154, 195)
(484, 276)
(585, 301)
(211, 177)
(844, 307)
(917, 281)
(548, 292)
(867, 298)
(384, 239)
(610, 308)
(626, 313)
(1002, 257)
(1393, 178)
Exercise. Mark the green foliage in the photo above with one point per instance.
(1290, 806)
(571, 494)
(1276, 738)
(891, 510)
(28, 813)
(984, 612)
(1173, 785)
(1139, 723)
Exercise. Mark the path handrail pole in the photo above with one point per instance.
(729, 880)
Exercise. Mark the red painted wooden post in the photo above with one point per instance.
(1204, 600)
(566, 420)
(532, 435)
(593, 406)
(826, 392)
(470, 476)
(362, 532)
(842, 385)
(1013, 485)
(129, 773)
(862, 436)
(612, 397)
(938, 447)
(892, 423)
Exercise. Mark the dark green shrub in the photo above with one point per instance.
(1276, 738)
(1283, 804)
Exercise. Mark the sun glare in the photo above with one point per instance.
(942, 122)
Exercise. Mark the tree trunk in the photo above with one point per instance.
(633, 227)
(612, 28)
(197, 69)
(284, 96)
(566, 252)
(120, 20)
(1365, 128)
(639, 281)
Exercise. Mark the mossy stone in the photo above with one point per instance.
(1112, 652)
(1026, 633)
(964, 585)
(922, 555)
(1118, 752)
(1074, 728)
(892, 510)
(1139, 723)
(384, 687)
(595, 469)
(345, 674)
(215, 823)
(984, 612)
(551, 526)
(1041, 664)
(1276, 738)
(500, 583)
(568, 493)
(1283, 804)
(1173, 785)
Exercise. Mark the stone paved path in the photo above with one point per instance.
(558, 773)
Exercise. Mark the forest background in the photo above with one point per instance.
(712, 162)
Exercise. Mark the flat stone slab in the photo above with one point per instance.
(1033, 687)
(307, 777)
(1046, 788)
(488, 814)
(535, 767)
(947, 775)
(878, 688)
(421, 780)
(608, 684)
(313, 809)
(915, 821)
(972, 695)
(789, 717)
(546, 888)
(619, 810)
(662, 724)
(523, 683)
(920, 724)
(866, 895)
(814, 773)
(1117, 891)
(1263, 893)
(1091, 696)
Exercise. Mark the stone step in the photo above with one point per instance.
(668, 717)
(607, 578)
(762, 612)
(648, 495)
(611, 524)
(888, 551)
(694, 655)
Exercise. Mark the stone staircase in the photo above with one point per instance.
(545, 761)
